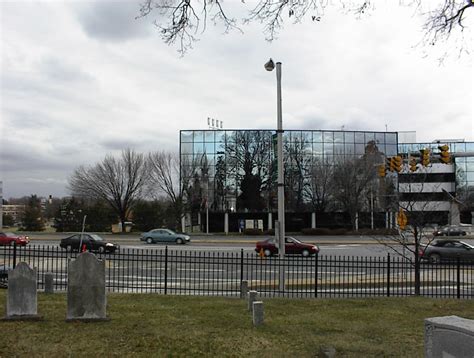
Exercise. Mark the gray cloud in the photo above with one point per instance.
(113, 20)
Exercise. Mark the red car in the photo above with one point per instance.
(292, 247)
(9, 238)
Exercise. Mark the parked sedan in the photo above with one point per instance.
(447, 250)
(92, 242)
(164, 235)
(9, 238)
(292, 247)
(450, 231)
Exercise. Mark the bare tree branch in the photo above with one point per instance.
(181, 20)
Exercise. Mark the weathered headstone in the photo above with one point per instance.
(257, 313)
(252, 296)
(22, 301)
(244, 289)
(48, 282)
(449, 336)
(86, 297)
(327, 352)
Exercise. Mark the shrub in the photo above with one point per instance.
(252, 232)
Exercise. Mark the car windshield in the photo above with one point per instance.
(96, 237)
(10, 234)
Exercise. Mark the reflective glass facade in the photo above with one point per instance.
(216, 165)
(464, 165)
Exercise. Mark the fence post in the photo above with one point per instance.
(388, 274)
(14, 254)
(458, 277)
(241, 266)
(166, 270)
(316, 274)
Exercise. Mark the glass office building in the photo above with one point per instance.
(463, 153)
(235, 170)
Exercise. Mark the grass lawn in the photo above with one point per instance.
(178, 326)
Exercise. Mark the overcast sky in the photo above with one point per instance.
(80, 80)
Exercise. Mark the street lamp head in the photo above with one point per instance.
(270, 65)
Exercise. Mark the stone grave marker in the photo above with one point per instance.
(22, 300)
(86, 296)
(244, 289)
(48, 282)
(252, 296)
(449, 336)
(257, 313)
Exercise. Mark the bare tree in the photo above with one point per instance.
(352, 178)
(119, 181)
(319, 188)
(165, 179)
(297, 160)
(409, 240)
(182, 20)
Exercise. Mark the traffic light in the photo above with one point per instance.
(444, 156)
(397, 163)
(412, 165)
(425, 157)
(381, 170)
(402, 219)
(391, 164)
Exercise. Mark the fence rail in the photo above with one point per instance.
(180, 272)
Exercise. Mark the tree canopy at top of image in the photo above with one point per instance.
(182, 21)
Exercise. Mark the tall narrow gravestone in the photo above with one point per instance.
(86, 299)
(22, 301)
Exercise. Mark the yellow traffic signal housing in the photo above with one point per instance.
(391, 164)
(381, 171)
(402, 219)
(425, 157)
(397, 163)
(444, 155)
(412, 165)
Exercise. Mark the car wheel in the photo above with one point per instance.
(434, 258)
(101, 249)
(267, 252)
(149, 240)
(305, 253)
(179, 241)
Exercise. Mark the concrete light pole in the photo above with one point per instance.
(280, 227)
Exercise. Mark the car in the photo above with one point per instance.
(447, 250)
(9, 238)
(92, 242)
(450, 231)
(164, 235)
(293, 246)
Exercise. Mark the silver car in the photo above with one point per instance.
(164, 235)
(447, 250)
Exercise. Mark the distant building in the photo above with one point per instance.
(234, 172)
(15, 211)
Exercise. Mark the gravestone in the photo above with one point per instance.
(244, 288)
(449, 336)
(252, 296)
(257, 313)
(86, 298)
(22, 300)
(48, 282)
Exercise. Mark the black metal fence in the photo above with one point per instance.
(168, 271)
